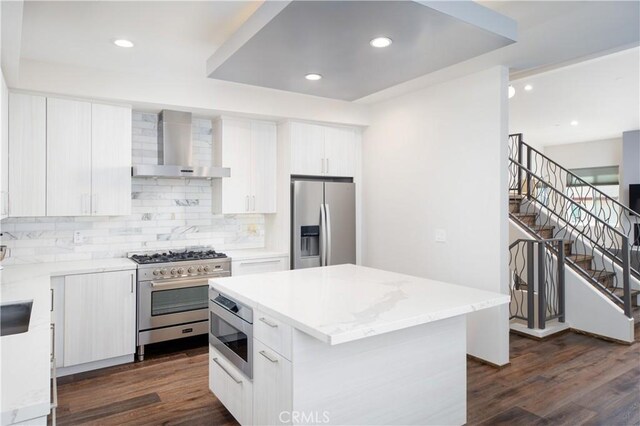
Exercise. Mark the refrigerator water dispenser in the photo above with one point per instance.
(309, 241)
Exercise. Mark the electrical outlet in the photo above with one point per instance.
(78, 238)
(441, 236)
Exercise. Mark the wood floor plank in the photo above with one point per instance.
(570, 379)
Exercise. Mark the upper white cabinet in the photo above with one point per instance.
(323, 150)
(27, 191)
(68, 157)
(110, 160)
(249, 149)
(4, 149)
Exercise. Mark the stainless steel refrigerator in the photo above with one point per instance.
(323, 220)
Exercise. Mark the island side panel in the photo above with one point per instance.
(411, 376)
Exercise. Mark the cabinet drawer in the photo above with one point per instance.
(272, 381)
(273, 333)
(255, 266)
(231, 387)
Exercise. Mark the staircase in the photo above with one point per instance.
(553, 204)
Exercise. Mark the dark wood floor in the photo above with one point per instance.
(569, 379)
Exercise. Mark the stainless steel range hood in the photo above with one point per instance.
(175, 149)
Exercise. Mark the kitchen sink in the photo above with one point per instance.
(15, 317)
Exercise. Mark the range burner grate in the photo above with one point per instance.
(173, 256)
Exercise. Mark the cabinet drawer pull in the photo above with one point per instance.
(51, 300)
(226, 371)
(267, 356)
(269, 323)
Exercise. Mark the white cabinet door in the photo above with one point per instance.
(110, 160)
(272, 386)
(68, 157)
(307, 149)
(340, 151)
(231, 387)
(263, 167)
(99, 316)
(4, 150)
(236, 154)
(28, 150)
(57, 318)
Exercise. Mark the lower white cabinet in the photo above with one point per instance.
(231, 387)
(99, 316)
(258, 265)
(272, 386)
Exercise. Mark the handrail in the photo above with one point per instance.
(568, 198)
(622, 206)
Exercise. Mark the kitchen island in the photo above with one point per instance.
(349, 345)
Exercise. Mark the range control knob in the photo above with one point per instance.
(180, 271)
(156, 272)
(199, 268)
(173, 271)
(191, 270)
(207, 268)
(163, 272)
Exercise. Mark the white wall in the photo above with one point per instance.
(437, 159)
(204, 96)
(607, 152)
(4, 137)
(630, 172)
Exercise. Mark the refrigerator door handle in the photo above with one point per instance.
(323, 236)
(328, 234)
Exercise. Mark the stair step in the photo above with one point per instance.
(516, 197)
(636, 315)
(568, 247)
(582, 260)
(514, 206)
(527, 218)
(634, 295)
(544, 231)
(603, 277)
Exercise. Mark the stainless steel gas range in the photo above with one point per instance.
(173, 293)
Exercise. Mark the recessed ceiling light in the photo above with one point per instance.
(528, 87)
(512, 91)
(381, 42)
(313, 77)
(123, 43)
(574, 123)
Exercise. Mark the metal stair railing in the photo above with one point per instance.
(619, 216)
(532, 269)
(602, 243)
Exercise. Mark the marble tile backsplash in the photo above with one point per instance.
(166, 214)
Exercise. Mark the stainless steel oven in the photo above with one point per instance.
(231, 330)
(173, 299)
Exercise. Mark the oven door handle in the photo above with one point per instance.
(180, 283)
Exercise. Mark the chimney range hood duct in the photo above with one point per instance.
(175, 151)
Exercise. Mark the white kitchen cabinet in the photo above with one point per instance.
(322, 150)
(249, 149)
(68, 157)
(258, 265)
(110, 160)
(231, 387)
(307, 149)
(4, 149)
(263, 166)
(99, 316)
(272, 386)
(27, 193)
(340, 151)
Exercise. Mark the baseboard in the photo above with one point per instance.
(489, 363)
(103, 363)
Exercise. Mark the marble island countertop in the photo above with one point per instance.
(25, 357)
(339, 304)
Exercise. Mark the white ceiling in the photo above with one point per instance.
(171, 37)
(602, 94)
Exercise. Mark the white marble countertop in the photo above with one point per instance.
(259, 253)
(339, 304)
(25, 358)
